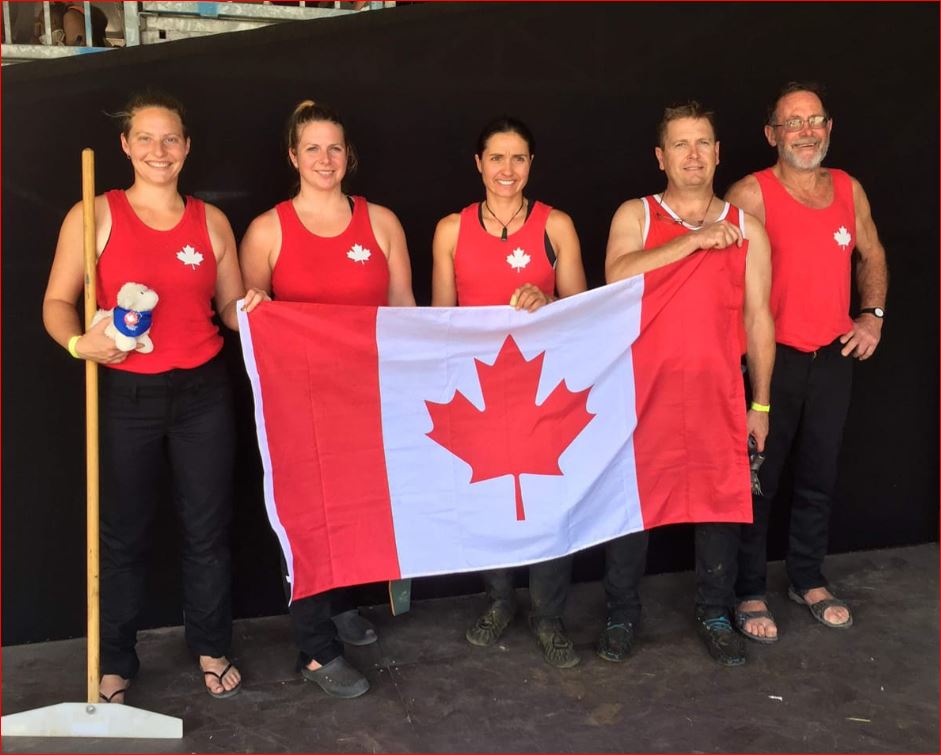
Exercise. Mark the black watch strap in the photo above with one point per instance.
(874, 311)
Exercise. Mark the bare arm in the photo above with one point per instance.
(872, 278)
(443, 286)
(569, 271)
(759, 326)
(258, 254)
(626, 256)
(65, 286)
(746, 194)
(391, 237)
(228, 279)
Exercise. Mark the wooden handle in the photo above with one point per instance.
(91, 431)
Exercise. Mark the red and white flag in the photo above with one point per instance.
(400, 442)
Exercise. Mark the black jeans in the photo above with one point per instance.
(548, 587)
(810, 396)
(626, 558)
(182, 419)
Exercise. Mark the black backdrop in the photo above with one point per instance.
(415, 84)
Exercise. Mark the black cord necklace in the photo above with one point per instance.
(680, 220)
(504, 234)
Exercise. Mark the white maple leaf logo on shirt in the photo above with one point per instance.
(842, 237)
(359, 254)
(189, 256)
(518, 260)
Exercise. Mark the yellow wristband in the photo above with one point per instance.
(71, 347)
(756, 407)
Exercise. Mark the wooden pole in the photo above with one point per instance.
(91, 429)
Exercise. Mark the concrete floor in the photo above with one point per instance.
(873, 688)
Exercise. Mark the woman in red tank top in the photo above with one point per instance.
(170, 405)
(508, 249)
(325, 246)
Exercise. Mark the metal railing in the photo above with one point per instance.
(136, 23)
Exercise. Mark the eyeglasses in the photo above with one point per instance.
(796, 124)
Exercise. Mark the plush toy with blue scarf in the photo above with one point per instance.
(131, 318)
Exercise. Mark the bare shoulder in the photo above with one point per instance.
(381, 217)
(266, 223)
(215, 217)
(745, 193)
(632, 209)
(449, 224)
(559, 220)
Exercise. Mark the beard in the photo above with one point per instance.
(811, 162)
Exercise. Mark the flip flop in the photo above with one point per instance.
(225, 692)
(818, 609)
(110, 698)
(741, 617)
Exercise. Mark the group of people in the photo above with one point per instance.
(779, 250)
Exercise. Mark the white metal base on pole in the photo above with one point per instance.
(85, 720)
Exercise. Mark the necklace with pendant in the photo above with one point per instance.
(503, 235)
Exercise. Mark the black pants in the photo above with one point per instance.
(810, 395)
(548, 587)
(181, 420)
(314, 633)
(626, 558)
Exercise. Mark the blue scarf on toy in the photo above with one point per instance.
(130, 322)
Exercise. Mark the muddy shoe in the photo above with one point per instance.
(338, 679)
(616, 641)
(722, 642)
(557, 647)
(490, 625)
(353, 629)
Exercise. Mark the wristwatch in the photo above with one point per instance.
(874, 311)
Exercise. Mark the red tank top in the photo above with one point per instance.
(690, 308)
(810, 262)
(180, 266)
(720, 274)
(347, 269)
(488, 270)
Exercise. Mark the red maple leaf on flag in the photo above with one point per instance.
(511, 435)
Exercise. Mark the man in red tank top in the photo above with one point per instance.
(814, 217)
(688, 231)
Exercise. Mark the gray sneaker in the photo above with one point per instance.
(338, 679)
(354, 629)
(557, 647)
(490, 625)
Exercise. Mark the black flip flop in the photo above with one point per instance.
(225, 692)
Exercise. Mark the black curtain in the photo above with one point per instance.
(415, 84)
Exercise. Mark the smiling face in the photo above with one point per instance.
(504, 164)
(156, 144)
(806, 148)
(690, 153)
(321, 154)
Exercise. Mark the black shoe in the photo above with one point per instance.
(338, 679)
(722, 642)
(616, 641)
(490, 625)
(353, 629)
(557, 647)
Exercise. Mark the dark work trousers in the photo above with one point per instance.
(716, 550)
(810, 395)
(548, 587)
(179, 421)
(717, 545)
(314, 634)
(625, 560)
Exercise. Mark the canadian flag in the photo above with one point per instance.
(400, 442)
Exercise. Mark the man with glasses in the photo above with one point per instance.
(715, 262)
(815, 217)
